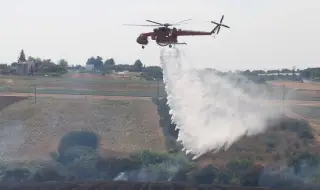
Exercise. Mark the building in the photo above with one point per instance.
(4, 69)
(23, 66)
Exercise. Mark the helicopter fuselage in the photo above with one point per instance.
(163, 36)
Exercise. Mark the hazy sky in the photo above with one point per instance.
(263, 34)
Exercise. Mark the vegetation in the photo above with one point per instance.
(174, 167)
(46, 66)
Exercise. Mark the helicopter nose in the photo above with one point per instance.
(142, 40)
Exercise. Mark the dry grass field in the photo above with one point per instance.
(296, 85)
(301, 109)
(32, 131)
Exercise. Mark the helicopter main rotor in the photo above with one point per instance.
(166, 25)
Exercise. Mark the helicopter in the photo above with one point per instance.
(166, 36)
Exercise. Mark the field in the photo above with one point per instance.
(76, 85)
(300, 109)
(124, 126)
(119, 111)
(298, 90)
(36, 112)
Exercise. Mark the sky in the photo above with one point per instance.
(264, 34)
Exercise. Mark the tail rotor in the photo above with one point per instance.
(217, 28)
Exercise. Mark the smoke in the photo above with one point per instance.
(166, 170)
(302, 175)
(211, 111)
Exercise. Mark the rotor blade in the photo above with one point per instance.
(182, 21)
(225, 26)
(221, 19)
(215, 23)
(154, 22)
(218, 30)
(139, 25)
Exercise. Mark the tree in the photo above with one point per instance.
(256, 72)
(63, 63)
(90, 61)
(96, 62)
(286, 71)
(22, 57)
(30, 58)
(246, 72)
(138, 65)
(109, 62)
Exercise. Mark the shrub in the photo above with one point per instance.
(301, 127)
(147, 157)
(114, 166)
(74, 153)
(205, 175)
(297, 160)
(16, 175)
(48, 174)
(240, 165)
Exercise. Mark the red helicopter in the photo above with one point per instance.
(165, 36)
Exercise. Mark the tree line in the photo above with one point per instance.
(148, 72)
(109, 65)
(304, 73)
(40, 66)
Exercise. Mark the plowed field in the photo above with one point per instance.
(32, 131)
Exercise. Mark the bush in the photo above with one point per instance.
(297, 160)
(78, 138)
(301, 127)
(146, 157)
(74, 153)
(240, 165)
(16, 175)
(84, 163)
(114, 166)
(48, 174)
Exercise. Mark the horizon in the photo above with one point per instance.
(230, 70)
